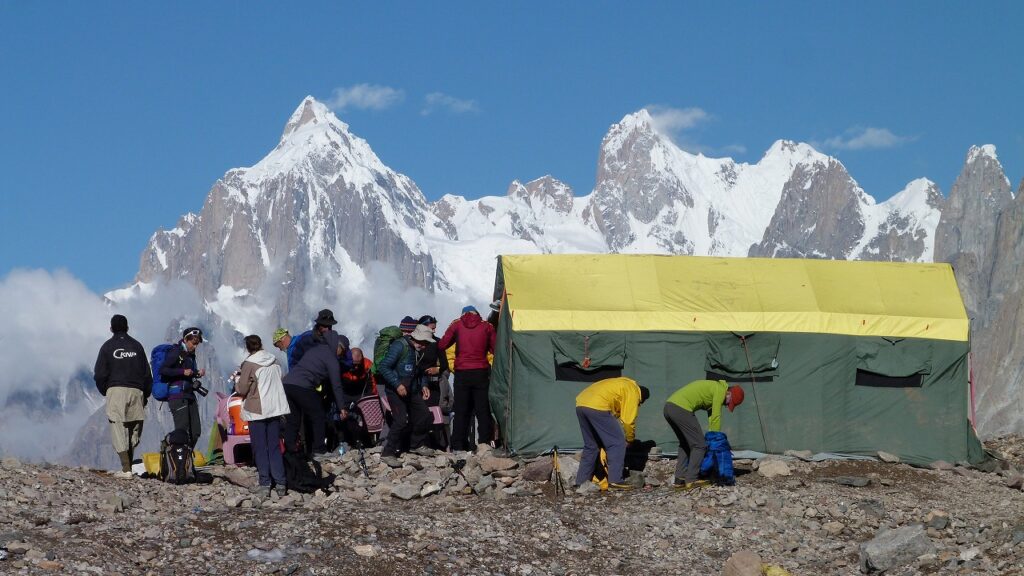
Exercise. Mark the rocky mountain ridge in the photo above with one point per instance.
(276, 241)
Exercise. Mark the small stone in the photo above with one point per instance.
(365, 550)
(834, 528)
(18, 547)
(937, 519)
(491, 464)
(538, 470)
(894, 548)
(1016, 482)
(771, 467)
(147, 555)
(429, 490)
(887, 457)
(742, 563)
(970, 554)
(405, 491)
(940, 465)
(805, 455)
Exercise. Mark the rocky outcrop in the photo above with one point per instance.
(999, 343)
(966, 234)
(820, 215)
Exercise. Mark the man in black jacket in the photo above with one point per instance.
(434, 366)
(182, 375)
(122, 374)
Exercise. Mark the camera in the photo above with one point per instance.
(197, 387)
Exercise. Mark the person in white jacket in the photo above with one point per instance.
(263, 404)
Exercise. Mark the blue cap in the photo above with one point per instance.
(469, 309)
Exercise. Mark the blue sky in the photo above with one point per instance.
(118, 118)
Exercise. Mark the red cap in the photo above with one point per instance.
(735, 397)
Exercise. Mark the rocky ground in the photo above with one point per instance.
(784, 516)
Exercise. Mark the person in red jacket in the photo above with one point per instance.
(475, 339)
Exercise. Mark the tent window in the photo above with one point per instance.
(733, 379)
(874, 380)
(573, 373)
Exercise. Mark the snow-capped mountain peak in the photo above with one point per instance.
(985, 150)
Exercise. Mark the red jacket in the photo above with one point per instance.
(475, 339)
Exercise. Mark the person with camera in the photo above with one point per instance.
(182, 374)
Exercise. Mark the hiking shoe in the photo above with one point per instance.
(281, 491)
(621, 487)
(261, 491)
(422, 451)
(391, 461)
(690, 486)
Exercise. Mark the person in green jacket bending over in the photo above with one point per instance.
(709, 395)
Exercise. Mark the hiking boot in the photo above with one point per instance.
(619, 487)
(281, 491)
(261, 491)
(391, 461)
(422, 451)
(690, 486)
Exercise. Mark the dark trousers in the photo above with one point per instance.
(471, 389)
(409, 416)
(307, 414)
(691, 442)
(185, 412)
(601, 430)
(266, 450)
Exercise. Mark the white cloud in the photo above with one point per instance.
(678, 123)
(364, 97)
(861, 138)
(672, 121)
(440, 101)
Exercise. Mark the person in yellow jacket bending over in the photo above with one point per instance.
(709, 395)
(607, 412)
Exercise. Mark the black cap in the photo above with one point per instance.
(325, 318)
(190, 332)
(118, 323)
(427, 319)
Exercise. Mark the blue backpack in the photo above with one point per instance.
(161, 389)
(717, 463)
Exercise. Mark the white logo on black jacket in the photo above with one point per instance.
(122, 353)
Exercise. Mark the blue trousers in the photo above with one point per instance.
(600, 430)
(266, 450)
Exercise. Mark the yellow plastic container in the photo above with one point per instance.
(198, 458)
(151, 460)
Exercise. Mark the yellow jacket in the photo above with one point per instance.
(620, 396)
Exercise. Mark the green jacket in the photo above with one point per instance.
(708, 395)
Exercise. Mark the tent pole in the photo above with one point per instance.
(753, 388)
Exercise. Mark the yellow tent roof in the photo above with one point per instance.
(696, 293)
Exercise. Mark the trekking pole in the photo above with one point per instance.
(362, 459)
(559, 487)
(457, 466)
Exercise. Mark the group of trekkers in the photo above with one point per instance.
(317, 396)
(312, 405)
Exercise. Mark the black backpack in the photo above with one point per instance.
(176, 465)
(302, 474)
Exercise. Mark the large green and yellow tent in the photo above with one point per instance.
(843, 357)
